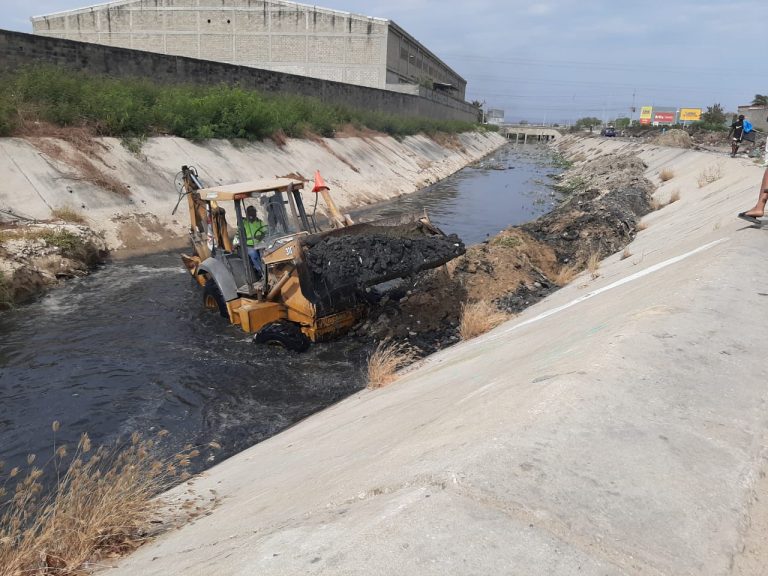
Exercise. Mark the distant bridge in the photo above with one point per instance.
(525, 133)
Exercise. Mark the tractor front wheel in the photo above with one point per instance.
(213, 299)
(285, 334)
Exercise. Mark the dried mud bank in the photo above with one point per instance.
(121, 196)
(604, 198)
(38, 256)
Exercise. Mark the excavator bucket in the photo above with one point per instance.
(367, 254)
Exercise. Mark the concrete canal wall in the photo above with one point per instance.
(616, 427)
(129, 196)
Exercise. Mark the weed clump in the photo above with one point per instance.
(593, 264)
(71, 245)
(68, 214)
(102, 504)
(507, 241)
(384, 362)
(709, 175)
(478, 318)
(572, 185)
(566, 274)
(666, 175)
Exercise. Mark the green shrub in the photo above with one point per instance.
(71, 245)
(134, 108)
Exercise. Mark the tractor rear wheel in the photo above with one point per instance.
(213, 299)
(285, 334)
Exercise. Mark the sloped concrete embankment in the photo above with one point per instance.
(127, 198)
(616, 427)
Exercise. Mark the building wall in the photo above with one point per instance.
(18, 50)
(410, 62)
(271, 35)
(758, 115)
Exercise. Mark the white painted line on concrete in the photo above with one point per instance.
(476, 392)
(630, 278)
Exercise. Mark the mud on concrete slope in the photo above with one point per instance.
(604, 200)
(37, 256)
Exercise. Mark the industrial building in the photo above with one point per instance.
(267, 34)
(495, 116)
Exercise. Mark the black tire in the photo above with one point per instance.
(283, 333)
(213, 298)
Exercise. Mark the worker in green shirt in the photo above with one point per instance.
(255, 230)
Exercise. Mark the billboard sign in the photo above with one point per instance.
(646, 114)
(664, 115)
(690, 114)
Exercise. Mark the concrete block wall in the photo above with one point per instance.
(272, 35)
(18, 50)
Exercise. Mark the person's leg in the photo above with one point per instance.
(765, 159)
(734, 147)
(762, 199)
(255, 257)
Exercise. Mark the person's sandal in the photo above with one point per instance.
(751, 219)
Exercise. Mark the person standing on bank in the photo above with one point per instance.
(737, 129)
(758, 210)
(255, 230)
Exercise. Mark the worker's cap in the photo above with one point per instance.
(741, 116)
(251, 211)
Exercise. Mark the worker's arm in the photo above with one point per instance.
(261, 232)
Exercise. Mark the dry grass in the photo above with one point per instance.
(626, 254)
(478, 318)
(384, 362)
(642, 225)
(709, 175)
(22, 233)
(68, 214)
(82, 157)
(566, 274)
(666, 175)
(593, 264)
(674, 196)
(102, 505)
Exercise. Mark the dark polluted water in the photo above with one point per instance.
(129, 348)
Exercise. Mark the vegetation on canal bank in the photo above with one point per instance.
(83, 504)
(135, 108)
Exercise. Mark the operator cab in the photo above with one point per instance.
(278, 203)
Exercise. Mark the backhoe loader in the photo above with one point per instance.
(311, 284)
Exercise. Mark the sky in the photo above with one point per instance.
(559, 60)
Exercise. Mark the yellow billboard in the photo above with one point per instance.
(646, 113)
(690, 114)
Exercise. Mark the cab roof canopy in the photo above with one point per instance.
(247, 189)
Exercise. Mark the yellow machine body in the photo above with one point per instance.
(283, 298)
